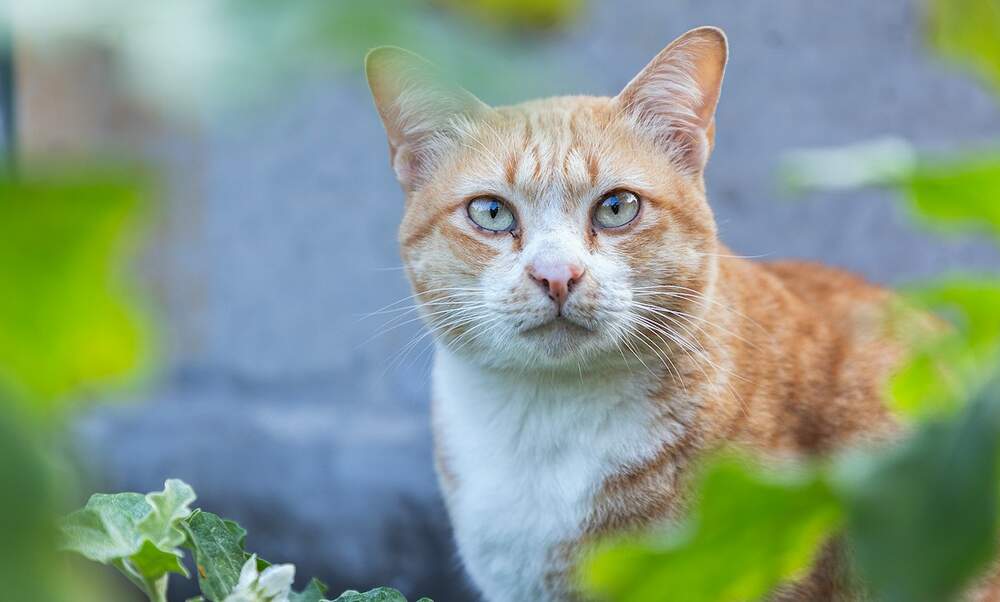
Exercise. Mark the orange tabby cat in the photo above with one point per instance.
(593, 336)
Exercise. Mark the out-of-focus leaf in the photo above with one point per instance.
(137, 534)
(922, 519)
(218, 552)
(380, 594)
(870, 163)
(239, 49)
(521, 13)
(752, 531)
(968, 31)
(66, 321)
(950, 365)
(28, 568)
(960, 193)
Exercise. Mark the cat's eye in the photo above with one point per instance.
(491, 214)
(616, 209)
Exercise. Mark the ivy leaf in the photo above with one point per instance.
(134, 533)
(153, 563)
(219, 553)
(104, 530)
(381, 594)
(922, 519)
(169, 507)
(752, 532)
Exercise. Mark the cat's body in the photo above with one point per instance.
(594, 338)
(533, 465)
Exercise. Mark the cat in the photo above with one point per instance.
(593, 337)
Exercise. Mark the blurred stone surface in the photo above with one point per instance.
(281, 408)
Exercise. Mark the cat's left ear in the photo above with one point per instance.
(423, 112)
(675, 95)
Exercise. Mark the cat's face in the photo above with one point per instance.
(557, 231)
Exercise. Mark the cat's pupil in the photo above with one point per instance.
(615, 205)
(494, 209)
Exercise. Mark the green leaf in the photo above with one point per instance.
(962, 192)
(153, 563)
(218, 552)
(752, 532)
(29, 568)
(922, 519)
(968, 31)
(954, 193)
(136, 533)
(381, 594)
(71, 324)
(312, 593)
(520, 13)
(162, 525)
(949, 365)
(104, 530)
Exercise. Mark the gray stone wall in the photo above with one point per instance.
(284, 413)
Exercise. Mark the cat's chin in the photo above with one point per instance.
(559, 337)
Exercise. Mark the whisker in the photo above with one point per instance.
(427, 292)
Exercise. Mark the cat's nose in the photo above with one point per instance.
(557, 278)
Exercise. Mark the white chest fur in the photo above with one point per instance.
(528, 453)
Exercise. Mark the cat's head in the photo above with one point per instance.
(558, 230)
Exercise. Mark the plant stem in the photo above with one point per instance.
(156, 590)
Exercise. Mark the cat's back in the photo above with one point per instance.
(824, 287)
(819, 350)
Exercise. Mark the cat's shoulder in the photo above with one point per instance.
(814, 279)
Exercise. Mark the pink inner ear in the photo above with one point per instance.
(674, 97)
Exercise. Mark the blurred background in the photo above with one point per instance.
(272, 227)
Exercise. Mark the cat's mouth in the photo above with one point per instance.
(559, 325)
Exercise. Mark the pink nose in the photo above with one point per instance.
(556, 278)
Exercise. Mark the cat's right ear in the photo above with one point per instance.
(422, 112)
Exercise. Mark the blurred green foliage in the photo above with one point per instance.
(520, 14)
(68, 324)
(240, 50)
(922, 516)
(966, 31)
(957, 193)
(67, 327)
(948, 365)
(713, 558)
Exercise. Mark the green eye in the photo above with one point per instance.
(491, 214)
(616, 209)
